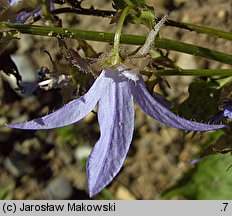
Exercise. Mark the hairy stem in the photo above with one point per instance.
(200, 29)
(190, 72)
(126, 39)
(191, 27)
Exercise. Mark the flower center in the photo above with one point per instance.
(130, 75)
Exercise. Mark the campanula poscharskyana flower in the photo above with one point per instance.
(115, 94)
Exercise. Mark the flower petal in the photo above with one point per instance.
(12, 1)
(28, 87)
(228, 112)
(162, 100)
(23, 15)
(116, 120)
(157, 111)
(70, 113)
(217, 118)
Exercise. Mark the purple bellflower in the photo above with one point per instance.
(115, 94)
(23, 15)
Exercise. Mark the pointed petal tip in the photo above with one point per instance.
(12, 126)
(195, 161)
(116, 121)
(93, 192)
(93, 187)
(72, 112)
(17, 126)
(154, 108)
(21, 125)
(213, 127)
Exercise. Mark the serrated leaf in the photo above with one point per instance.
(202, 102)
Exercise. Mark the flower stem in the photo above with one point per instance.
(200, 29)
(188, 26)
(115, 58)
(191, 27)
(189, 72)
(125, 39)
(109, 13)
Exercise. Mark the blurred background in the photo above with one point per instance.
(51, 164)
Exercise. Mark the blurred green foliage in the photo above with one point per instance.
(67, 134)
(106, 195)
(6, 192)
(210, 180)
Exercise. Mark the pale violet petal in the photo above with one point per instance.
(160, 113)
(11, 2)
(23, 16)
(162, 100)
(196, 160)
(116, 120)
(70, 113)
(217, 118)
(228, 111)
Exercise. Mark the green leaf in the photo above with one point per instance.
(202, 102)
(209, 181)
(144, 16)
